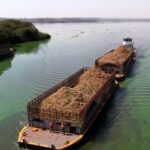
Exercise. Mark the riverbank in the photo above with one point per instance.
(14, 32)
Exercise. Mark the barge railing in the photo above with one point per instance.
(35, 112)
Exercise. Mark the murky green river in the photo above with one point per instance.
(37, 66)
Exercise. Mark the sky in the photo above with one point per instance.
(75, 8)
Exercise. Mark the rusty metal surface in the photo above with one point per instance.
(46, 138)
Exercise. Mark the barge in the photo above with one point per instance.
(60, 117)
(5, 50)
(119, 60)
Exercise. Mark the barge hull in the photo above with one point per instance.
(121, 77)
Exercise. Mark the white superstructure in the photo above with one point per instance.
(128, 42)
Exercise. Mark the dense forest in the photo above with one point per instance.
(16, 31)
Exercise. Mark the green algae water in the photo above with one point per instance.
(37, 66)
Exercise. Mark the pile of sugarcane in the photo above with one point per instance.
(116, 57)
(75, 98)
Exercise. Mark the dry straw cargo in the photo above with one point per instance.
(119, 60)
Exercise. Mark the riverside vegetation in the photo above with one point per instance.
(16, 31)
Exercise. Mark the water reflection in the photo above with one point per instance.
(5, 64)
(29, 47)
(24, 48)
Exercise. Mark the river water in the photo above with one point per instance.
(37, 66)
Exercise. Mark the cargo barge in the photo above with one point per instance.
(60, 117)
(119, 60)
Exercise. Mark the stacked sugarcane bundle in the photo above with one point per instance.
(75, 98)
(116, 57)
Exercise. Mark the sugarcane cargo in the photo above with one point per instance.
(119, 59)
(75, 101)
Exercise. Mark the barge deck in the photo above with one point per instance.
(37, 137)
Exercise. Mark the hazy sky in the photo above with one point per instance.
(75, 8)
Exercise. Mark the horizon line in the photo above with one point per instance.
(72, 18)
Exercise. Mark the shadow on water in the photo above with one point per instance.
(105, 121)
(24, 48)
(29, 47)
(136, 68)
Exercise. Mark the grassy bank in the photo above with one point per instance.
(15, 31)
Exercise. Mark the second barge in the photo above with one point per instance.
(119, 60)
(60, 117)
